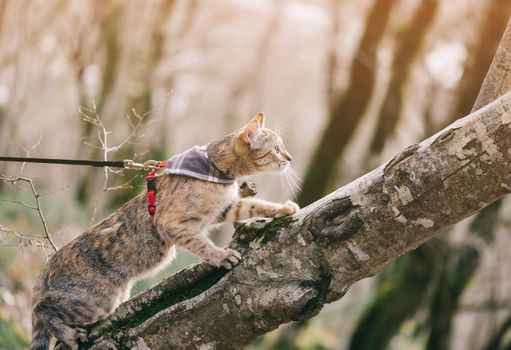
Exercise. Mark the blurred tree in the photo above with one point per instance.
(2, 110)
(3, 4)
(345, 112)
(408, 44)
(450, 281)
(116, 104)
(399, 295)
(107, 16)
(11, 338)
(497, 341)
(249, 85)
(480, 58)
(400, 289)
(458, 267)
(347, 109)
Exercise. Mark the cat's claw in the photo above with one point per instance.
(227, 258)
(288, 208)
(231, 259)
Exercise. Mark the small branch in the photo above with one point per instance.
(135, 122)
(40, 211)
(38, 207)
(18, 202)
(23, 237)
(14, 180)
(27, 153)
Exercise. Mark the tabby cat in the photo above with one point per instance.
(87, 279)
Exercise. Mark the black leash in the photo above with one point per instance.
(96, 163)
(126, 164)
(246, 189)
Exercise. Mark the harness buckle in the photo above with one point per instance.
(151, 184)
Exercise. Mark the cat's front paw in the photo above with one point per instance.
(227, 258)
(288, 208)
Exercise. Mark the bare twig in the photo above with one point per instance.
(23, 238)
(38, 208)
(27, 152)
(14, 180)
(135, 121)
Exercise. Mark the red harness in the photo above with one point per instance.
(151, 186)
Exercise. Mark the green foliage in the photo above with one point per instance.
(11, 337)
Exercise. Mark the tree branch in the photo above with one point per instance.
(24, 237)
(292, 266)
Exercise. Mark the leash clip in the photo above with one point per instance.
(148, 164)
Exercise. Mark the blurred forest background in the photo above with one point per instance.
(347, 83)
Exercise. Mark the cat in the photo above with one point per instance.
(88, 278)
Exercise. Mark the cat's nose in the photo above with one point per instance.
(287, 156)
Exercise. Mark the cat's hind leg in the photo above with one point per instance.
(60, 314)
(51, 317)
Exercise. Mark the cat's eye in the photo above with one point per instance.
(277, 148)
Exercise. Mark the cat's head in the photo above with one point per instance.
(261, 149)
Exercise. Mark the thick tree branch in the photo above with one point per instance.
(292, 266)
(498, 79)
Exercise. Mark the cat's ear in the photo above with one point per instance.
(260, 118)
(252, 128)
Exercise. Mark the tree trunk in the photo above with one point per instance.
(292, 266)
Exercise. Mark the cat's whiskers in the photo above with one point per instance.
(282, 184)
(290, 181)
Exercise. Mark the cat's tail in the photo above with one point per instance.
(40, 335)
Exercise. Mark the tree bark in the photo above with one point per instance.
(292, 266)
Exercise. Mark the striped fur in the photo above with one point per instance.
(87, 279)
(40, 335)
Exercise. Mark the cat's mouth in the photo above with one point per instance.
(284, 166)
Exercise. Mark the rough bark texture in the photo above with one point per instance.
(498, 79)
(293, 265)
